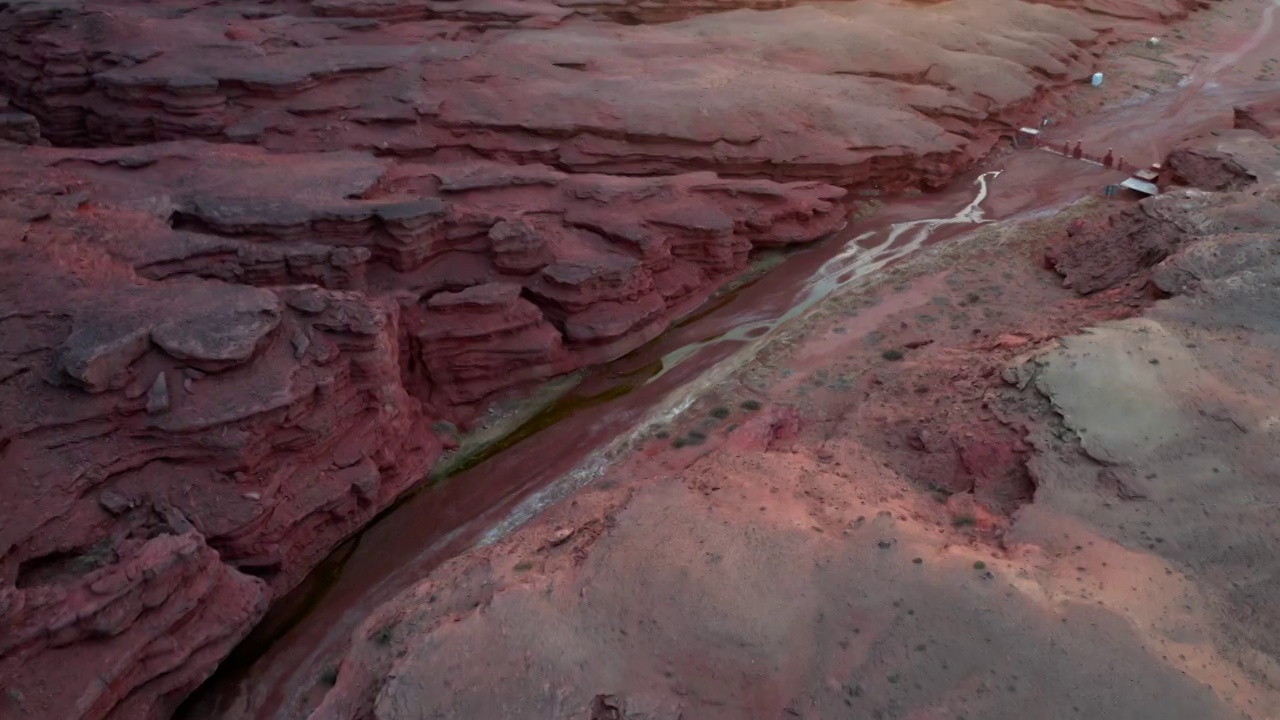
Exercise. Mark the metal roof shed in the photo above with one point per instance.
(1141, 186)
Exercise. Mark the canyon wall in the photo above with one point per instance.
(219, 362)
(806, 558)
(260, 260)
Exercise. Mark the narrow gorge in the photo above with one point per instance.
(271, 267)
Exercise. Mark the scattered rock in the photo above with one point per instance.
(561, 535)
(1124, 482)
(114, 503)
(158, 395)
(99, 351)
(229, 335)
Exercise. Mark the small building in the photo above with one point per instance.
(1138, 185)
(1144, 182)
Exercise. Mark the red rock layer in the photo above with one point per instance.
(17, 127)
(216, 363)
(1260, 117)
(860, 94)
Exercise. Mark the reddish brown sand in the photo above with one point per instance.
(224, 354)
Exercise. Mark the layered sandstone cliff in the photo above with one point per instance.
(219, 362)
(864, 93)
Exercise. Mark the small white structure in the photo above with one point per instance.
(1141, 186)
(1144, 181)
(1096, 80)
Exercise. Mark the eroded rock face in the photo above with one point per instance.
(165, 444)
(217, 362)
(1262, 117)
(1132, 242)
(154, 611)
(862, 93)
(18, 127)
(1228, 159)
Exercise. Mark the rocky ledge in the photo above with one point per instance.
(216, 363)
(859, 94)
